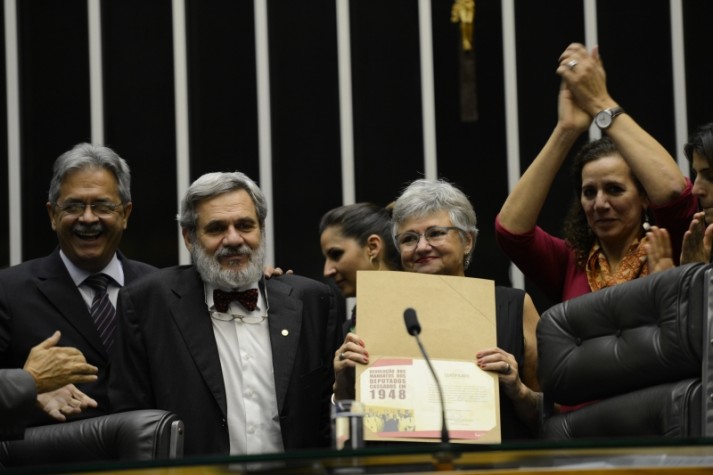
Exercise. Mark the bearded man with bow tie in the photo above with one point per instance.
(245, 362)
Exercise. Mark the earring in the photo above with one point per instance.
(371, 261)
(646, 224)
(466, 261)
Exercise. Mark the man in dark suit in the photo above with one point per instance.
(89, 206)
(252, 375)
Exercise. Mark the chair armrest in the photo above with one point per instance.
(134, 435)
(668, 410)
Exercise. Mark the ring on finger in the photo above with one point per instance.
(571, 64)
(507, 369)
(342, 356)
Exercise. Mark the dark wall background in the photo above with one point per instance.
(634, 39)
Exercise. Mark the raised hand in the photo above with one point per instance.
(658, 250)
(585, 77)
(697, 241)
(53, 367)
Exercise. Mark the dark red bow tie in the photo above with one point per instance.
(247, 298)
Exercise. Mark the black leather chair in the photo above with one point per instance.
(638, 353)
(135, 435)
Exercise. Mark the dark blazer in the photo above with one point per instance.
(167, 358)
(39, 297)
(17, 401)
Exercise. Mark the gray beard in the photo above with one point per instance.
(215, 275)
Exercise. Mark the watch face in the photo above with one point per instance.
(603, 119)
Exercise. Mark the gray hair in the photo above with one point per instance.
(84, 156)
(425, 197)
(218, 183)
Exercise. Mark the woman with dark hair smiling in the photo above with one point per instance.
(618, 181)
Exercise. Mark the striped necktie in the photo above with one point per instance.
(102, 311)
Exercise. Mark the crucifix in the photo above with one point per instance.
(463, 12)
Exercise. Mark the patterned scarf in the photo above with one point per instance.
(633, 265)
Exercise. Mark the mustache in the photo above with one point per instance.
(88, 228)
(230, 251)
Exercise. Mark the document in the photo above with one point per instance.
(457, 318)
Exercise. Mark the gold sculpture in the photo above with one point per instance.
(463, 12)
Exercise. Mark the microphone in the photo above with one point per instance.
(412, 326)
(414, 329)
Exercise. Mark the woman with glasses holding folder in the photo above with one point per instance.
(434, 230)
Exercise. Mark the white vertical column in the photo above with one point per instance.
(346, 112)
(346, 115)
(680, 107)
(180, 80)
(591, 39)
(512, 130)
(428, 108)
(13, 132)
(262, 63)
(96, 89)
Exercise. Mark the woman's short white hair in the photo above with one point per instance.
(425, 197)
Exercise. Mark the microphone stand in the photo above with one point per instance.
(445, 439)
(444, 457)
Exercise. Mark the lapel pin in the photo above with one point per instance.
(285, 332)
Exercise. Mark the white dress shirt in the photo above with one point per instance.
(246, 361)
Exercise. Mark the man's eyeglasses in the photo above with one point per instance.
(227, 317)
(99, 208)
(433, 235)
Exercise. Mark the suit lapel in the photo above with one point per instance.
(191, 315)
(55, 283)
(131, 271)
(285, 321)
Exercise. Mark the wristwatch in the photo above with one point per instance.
(604, 118)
